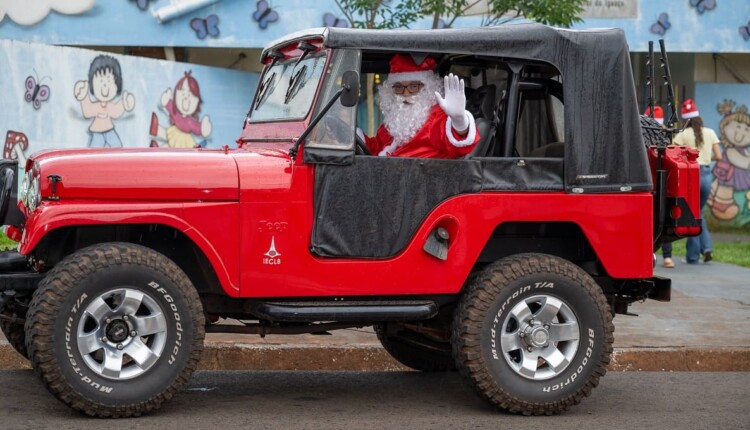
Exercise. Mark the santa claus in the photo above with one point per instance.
(418, 120)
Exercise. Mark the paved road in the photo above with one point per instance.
(395, 400)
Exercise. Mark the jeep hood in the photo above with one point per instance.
(138, 174)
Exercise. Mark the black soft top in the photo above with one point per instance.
(604, 150)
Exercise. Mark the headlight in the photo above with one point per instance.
(34, 196)
(24, 194)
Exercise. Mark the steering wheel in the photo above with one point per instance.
(360, 147)
(335, 129)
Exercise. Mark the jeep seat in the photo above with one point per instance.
(554, 149)
(481, 104)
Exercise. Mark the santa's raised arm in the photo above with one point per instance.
(418, 120)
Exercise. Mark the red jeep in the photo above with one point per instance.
(507, 264)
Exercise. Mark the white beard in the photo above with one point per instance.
(405, 116)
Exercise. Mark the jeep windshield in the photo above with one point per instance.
(287, 89)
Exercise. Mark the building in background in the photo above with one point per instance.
(207, 51)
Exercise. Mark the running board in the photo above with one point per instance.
(365, 311)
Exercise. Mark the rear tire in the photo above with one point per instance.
(115, 330)
(533, 334)
(415, 350)
(14, 331)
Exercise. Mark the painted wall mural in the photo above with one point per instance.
(724, 108)
(60, 97)
(97, 96)
(687, 25)
(183, 106)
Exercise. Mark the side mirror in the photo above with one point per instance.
(350, 88)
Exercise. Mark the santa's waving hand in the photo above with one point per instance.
(454, 103)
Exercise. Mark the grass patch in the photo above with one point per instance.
(6, 243)
(735, 252)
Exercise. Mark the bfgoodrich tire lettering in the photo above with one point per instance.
(533, 334)
(115, 330)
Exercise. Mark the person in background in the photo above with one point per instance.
(696, 136)
(666, 249)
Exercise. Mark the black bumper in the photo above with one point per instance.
(662, 289)
(15, 274)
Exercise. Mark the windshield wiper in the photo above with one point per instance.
(296, 82)
(265, 90)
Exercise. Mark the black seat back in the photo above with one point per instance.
(481, 104)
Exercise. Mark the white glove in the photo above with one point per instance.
(454, 103)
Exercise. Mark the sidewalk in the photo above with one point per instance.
(703, 328)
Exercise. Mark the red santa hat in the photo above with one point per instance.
(658, 114)
(689, 110)
(404, 68)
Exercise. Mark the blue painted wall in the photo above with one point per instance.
(122, 23)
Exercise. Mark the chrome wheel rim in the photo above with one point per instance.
(122, 334)
(540, 337)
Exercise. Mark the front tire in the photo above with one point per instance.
(115, 330)
(533, 334)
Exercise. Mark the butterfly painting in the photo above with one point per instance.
(142, 4)
(703, 5)
(661, 25)
(330, 20)
(35, 92)
(203, 27)
(264, 15)
(745, 31)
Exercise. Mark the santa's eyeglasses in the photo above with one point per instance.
(413, 87)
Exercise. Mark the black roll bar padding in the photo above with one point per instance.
(511, 113)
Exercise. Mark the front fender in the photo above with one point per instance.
(190, 219)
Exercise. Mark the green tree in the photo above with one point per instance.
(381, 13)
(400, 14)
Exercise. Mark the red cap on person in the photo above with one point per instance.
(689, 110)
(658, 114)
(403, 68)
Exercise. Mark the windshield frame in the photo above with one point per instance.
(326, 53)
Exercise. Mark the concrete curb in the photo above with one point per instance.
(223, 356)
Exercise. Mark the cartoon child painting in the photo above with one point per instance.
(733, 172)
(183, 107)
(104, 84)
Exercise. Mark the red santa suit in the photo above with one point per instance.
(436, 139)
